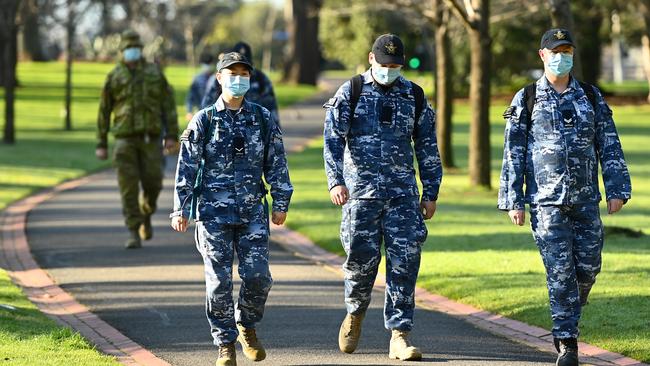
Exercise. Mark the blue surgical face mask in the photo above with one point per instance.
(560, 64)
(385, 75)
(236, 85)
(132, 54)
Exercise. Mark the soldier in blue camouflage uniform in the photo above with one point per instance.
(555, 150)
(199, 85)
(260, 92)
(239, 143)
(369, 164)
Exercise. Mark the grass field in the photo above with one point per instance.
(45, 155)
(476, 256)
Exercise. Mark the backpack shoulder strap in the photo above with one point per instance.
(355, 92)
(210, 113)
(418, 94)
(530, 92)
(590, 92)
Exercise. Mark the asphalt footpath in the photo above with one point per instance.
(155, 295)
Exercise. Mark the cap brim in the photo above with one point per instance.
(558, 43)
(139, 45)
(387, 59)
(230, 63)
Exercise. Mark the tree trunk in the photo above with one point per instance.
(70, 29)
(303, 64)
(617, 52)
(444, 88)
(188, 34)
(8, 46)
(562, 17)
(267, 52)
(645, 39)
(31, 31)
(479, 100)
(106, 18)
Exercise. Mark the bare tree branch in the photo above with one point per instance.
(460, 13)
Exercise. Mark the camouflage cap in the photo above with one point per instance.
(232, 58)
(130, 38)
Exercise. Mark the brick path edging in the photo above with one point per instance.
(536, 337)
(51, 299)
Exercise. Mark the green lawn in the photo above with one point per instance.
(45, 155)
(27, 337)
(474, 255)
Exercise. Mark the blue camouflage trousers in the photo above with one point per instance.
(217, 243)
(570, 240)
(399, 223)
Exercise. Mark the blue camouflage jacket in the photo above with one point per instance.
(556, 156)
(370, 150)
(260, 92)
(237, 153)
(197, 91)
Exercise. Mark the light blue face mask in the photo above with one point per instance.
(236, 85)
(560, 64)
(132, 54)
(385, 75)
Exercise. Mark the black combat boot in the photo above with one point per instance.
(567, 349)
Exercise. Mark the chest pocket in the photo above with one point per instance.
(153, 87)
(254, 142)
(543, 122)
(364, 117)
(220, 143)
(586, 119)
(121, 87)
(404, 116)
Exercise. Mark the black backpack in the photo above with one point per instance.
(531, 90)
(355, 93)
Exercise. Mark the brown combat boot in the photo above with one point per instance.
(401, 348)
(133, 242)
(146, 230)
(253, 349)
(350, 332)
(227, 355)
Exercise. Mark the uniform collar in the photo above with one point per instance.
(544, 85)
(220, 105)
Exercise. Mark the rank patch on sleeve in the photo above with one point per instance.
(330, 103)
(185, 136)
(509, 112)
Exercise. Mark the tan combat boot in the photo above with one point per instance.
(227, 355)
(253, 349)
(133, 242)
(350, 332)
(146, 230)
(401, 348)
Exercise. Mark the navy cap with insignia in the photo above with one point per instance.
(556, 37)
(388, 49)
(232, 58)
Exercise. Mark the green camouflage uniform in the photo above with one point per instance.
(144, 111)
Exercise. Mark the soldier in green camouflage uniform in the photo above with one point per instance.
(144, 112)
